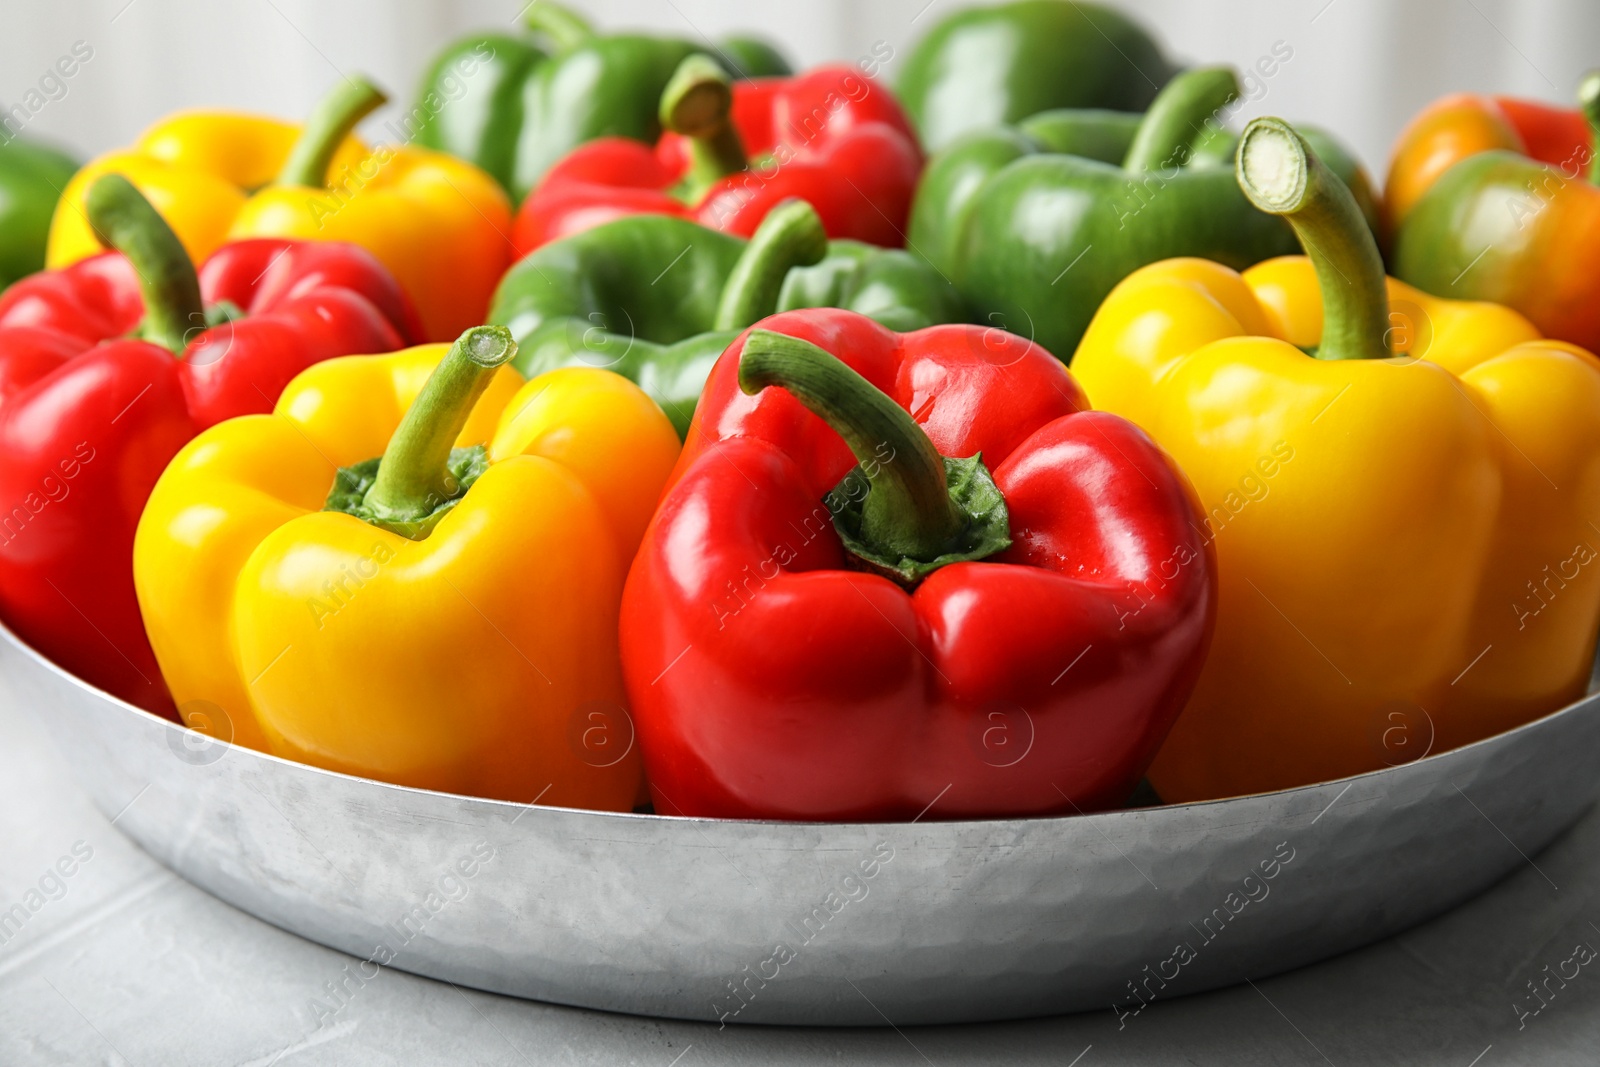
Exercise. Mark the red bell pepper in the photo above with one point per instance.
(108, 367)
(832, 137)
(829, 620)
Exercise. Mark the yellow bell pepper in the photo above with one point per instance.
(441, 619)
(197, 168)
(438, 223)
(1404, 524)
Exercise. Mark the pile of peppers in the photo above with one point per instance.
(663, 430)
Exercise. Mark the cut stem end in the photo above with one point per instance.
(1281, 175)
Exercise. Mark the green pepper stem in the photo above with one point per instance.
(565, 28)
(124, 220)
(1178, 117)
(698, 104)
(790, 236)
(413, 477)
(1589, 102)
(908, 509)
(1281, 175)
(331, 121)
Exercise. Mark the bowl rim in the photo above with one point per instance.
(10, 637)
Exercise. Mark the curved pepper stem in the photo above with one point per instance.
(331, 121)
(906, 510)
(124, 220)
(1281, 175)
(565, 28)
(1589, 103)
(1178, 117)
(790, 236)
(698, 104)
(419, 479)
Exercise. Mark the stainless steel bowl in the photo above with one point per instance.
(825, 924)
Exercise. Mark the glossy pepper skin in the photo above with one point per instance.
(197, 168)
(32, 176)
(775, 674)
(989, 66)
(514, 103)
(657, 298)
(1403, 541)
(467, 644)
(1496, 199)
(100, 385)
(437, 223)
(1036, 224)
(832, 137)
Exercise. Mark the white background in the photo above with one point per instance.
(1360, 67)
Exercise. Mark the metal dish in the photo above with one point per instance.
(823, 924)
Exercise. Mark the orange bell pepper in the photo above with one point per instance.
(1497, 199)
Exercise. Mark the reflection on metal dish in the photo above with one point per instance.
(825, 924)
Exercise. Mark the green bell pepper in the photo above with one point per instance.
(31, 179)
(657, 298)
(515, 104)
(993, 66)
(1036, 223)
